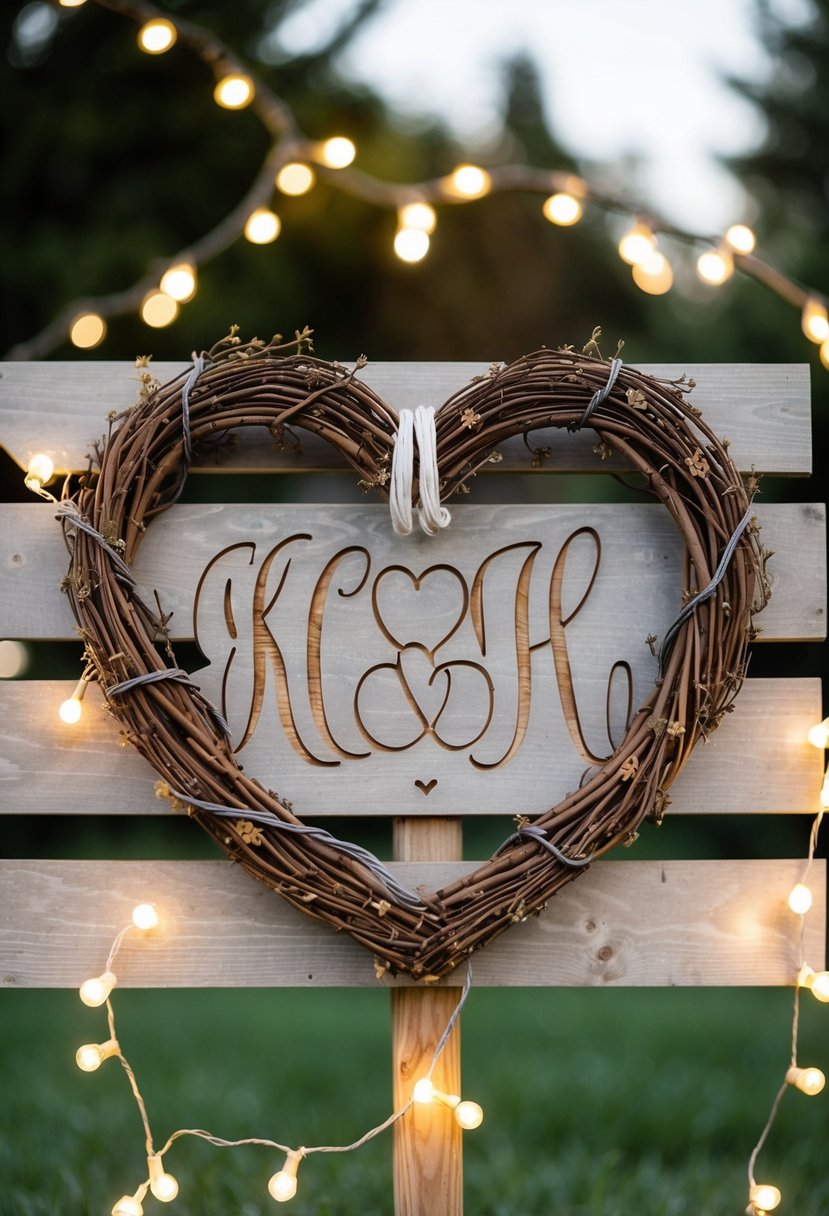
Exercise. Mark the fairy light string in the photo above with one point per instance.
(282, 1185)
(294, 162)
(763, 1197)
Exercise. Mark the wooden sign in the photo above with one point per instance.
(636, 587)
(470, 671)
(414, 668)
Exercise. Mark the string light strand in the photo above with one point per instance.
(762, 1196)
(565, 195)
(282, 1185)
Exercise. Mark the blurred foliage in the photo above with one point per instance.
(788, 174)
(124, 157)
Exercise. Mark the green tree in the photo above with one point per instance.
(788, 176)
(788, 173)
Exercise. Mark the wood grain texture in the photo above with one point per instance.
(638, 540)
(60, 408)
(428, 1146)
(49, 768)
(373, 674)
(624, 923)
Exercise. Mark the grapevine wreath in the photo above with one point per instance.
(139, 471)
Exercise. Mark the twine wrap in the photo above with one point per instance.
(600, 395)
(706, 593)
(419, 425)
(647, 422)
(167, 673)
(199, 362)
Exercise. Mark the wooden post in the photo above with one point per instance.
(428, 1163)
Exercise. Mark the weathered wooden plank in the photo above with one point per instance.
(638, 542)
(59, 408)
(627, 923)
(396, 616)
(49, 768)
(428, 1148)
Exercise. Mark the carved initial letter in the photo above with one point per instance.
(263, 645)
(558, 641)
(523, 658)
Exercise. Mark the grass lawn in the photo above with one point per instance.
(598, 1103)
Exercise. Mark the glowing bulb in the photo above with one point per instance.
(815, 321)
(424, 1090)
(816, 981)
(468, 181)
(88, 1057)
(715, 266)
(563, 209)
(637, 244)
(91, 1056)
(234, 92)
(87, 331)
(158, 309)
(337, 152)
(818, 735)
(129, 1205)
(295, 178)
(263, 226)
(164, 1188)
(282, 1185)
(179, 282)
(419, 215)
(653, 275)
(144, 916)
(763, 1196)
(162, 1185)
(808, 1080)
(469, 1115)
(411, 244)
(741, 238)
(40, 471)
(70, 711)
(13, 659)
(95, 991)
(820, 986)
(157, 36)
(800, 899)
(71, 3)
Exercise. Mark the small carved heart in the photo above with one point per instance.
(426, 787)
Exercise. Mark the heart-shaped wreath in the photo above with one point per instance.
(140, 471)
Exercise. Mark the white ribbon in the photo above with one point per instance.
(418, 425)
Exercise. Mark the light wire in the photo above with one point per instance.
(220, 1142)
